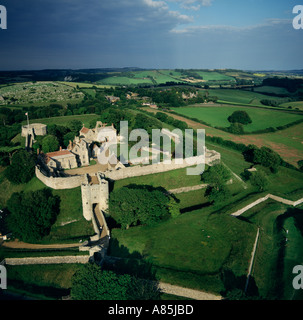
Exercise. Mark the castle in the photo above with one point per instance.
(94, 181)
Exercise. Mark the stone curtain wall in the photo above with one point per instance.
(269, 196)
(129, 172)
(60, 183)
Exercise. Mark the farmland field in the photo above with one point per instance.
(142, 77)
(214, 76)
(268, 89)
(217, 116)
(288, 143)
(157, 77)
(242, 96)
(294, 105)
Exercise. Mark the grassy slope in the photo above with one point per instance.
(194, 246)
(70, 210)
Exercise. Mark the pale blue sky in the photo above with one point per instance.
(241, 34)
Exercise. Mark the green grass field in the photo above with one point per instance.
(215, 76)
(268, 89)
(242, 96)
(168, 180)
(65, 121)
(294, 105)
(162, 76)
(191, 249)
(261, 118)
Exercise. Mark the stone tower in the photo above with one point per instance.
(95, 190)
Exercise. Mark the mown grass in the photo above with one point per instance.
(168, 180)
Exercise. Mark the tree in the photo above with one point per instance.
(263, 156)
(22, 167)
(217, 194)
(75, 126)
(216, 175)
(50, 144)
(267, 158)
(32, 214)
(236, 128)
(136, 204)
(70, 136)
(259, 180)
(240, 117)
(300, 164)
(90, 282)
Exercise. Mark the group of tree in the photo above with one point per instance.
(91, 282)
(22, 167)
(237, 120)
(58, 136)
(163, 117)
(270, 102)
(263, 156)
(31, 214)
(141, 205)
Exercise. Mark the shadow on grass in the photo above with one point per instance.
(33, 289)
(234, 287)
(120, 260)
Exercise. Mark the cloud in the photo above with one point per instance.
(156, 4)
(194, 5)
(202, 28)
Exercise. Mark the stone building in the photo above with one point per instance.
(62, 159)
(38, 129)
(80, 148)
(100, 133)
(94, 190)
(31, 131)
(112, 99)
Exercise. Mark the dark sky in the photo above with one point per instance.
(241, 34)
